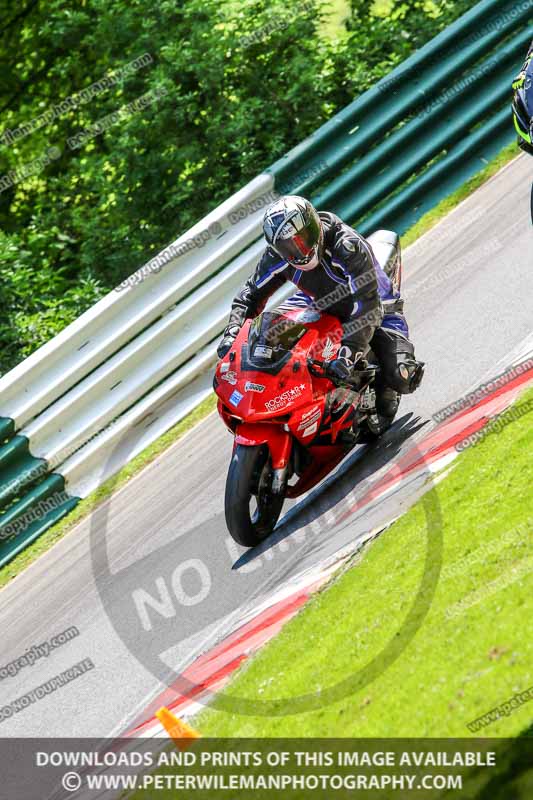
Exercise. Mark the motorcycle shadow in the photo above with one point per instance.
(340, 490)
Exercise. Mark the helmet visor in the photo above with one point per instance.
(298, 247)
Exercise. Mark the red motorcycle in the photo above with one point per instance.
(292, 423)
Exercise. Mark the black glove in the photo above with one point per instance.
(230, 334)
(339, 370)
(342, 368)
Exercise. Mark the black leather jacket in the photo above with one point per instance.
(345, 283)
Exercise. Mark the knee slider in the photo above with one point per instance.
(408, 374)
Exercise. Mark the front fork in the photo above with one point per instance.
(279, 443)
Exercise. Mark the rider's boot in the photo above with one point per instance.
(387, 402)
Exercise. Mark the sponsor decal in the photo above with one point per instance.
(329, 350)
(285, 398)
(311, 413)
(311, 429)
(309, 418)
(236, 398)
(264, 352)
(224, 367)
(230, 377)
(253, 387)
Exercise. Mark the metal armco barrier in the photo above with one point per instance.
(133, 365)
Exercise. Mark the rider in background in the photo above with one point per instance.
(523, 103)
(333, 265)
(523, 108)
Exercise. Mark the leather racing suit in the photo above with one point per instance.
(349, 283)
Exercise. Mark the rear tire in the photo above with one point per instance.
(249, 484)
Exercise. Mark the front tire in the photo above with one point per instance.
(249, 485)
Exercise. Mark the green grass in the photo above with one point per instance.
(429, 220)
(472, 651)
(85, 507)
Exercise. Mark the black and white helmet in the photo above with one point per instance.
(293, 229)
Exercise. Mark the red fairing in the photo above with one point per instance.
(278, 402)
(278, 440)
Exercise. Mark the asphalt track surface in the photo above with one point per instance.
(469, 303)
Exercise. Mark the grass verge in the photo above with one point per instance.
(471, 653)
(429, 220)
(84, 508)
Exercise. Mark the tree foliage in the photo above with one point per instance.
(235, 85)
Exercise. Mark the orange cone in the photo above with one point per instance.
(182, 734)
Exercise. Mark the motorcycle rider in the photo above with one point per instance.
(333, 266)
(523, 104)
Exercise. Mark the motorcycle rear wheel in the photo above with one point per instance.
(249, 484)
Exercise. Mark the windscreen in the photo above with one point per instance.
(272, 336)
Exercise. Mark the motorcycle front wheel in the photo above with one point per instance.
(252, 510)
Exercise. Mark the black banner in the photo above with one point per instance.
(475, 769)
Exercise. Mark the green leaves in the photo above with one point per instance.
(245, 81)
